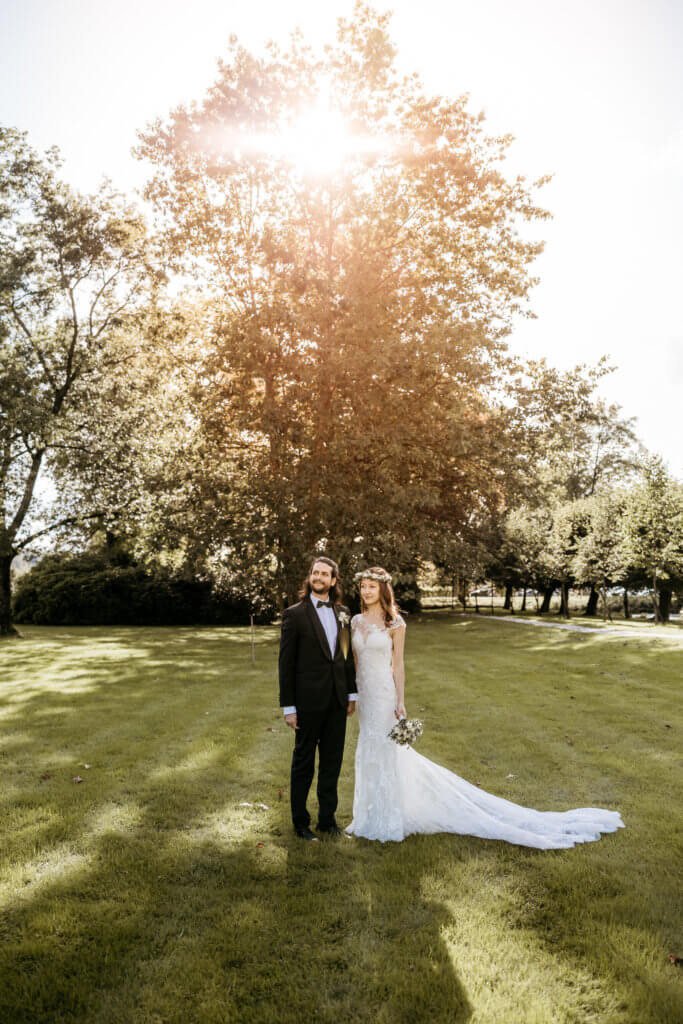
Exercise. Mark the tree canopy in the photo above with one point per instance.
(353, 314)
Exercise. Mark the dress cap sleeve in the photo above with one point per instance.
(397, 623)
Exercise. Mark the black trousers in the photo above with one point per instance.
(326, 732)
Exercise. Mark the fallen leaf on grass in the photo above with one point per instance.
(264, 807)
(280, 794)
(270, 729)
(245, 804)
(77, 778)
(47, 775)
(81, 765)
(675, 960)
(666, 726)
(260, 844)
(510, 776)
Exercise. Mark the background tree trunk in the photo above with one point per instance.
(6, 627)
(592, 606)
(655, 599)
(463, 593)
(547, 597)
(524, 598)
(564, 600)
(665, 595)
(627, 610)
(508, 601)
(606, 613)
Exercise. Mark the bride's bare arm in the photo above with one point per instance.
(399, 636)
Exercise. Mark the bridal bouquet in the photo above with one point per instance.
(406, 731)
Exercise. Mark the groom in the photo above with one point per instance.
(317, 692)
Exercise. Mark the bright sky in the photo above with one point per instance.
(592, 90)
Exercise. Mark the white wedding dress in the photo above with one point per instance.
(399, 792)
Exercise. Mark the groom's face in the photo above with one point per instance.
(321, 578)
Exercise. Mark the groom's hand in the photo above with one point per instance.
(292, 721)
(350, 707)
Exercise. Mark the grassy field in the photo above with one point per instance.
(150, 892)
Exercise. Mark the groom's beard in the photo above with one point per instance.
(320, 590)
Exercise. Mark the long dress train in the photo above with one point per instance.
(399, 792)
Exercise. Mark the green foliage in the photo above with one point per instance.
(92, 589)
(601, 558)
(653, 528)
(75, 278)
(571, 443)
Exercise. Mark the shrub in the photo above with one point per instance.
(94, 590)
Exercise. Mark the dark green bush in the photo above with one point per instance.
(94, 590)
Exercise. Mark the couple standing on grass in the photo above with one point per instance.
(330, 664)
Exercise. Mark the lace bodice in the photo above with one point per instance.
(360, 624)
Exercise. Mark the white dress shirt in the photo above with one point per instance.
(328, 620)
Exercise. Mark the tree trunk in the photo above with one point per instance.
(507, 605)
(627, 610)
(665, 595)
(6, 627)
(524, 598)
(606, 613)
(463, 594)
(655, 598)
(564, 600)
(547, 597)
(592, 606)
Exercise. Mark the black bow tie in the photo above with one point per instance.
(323, 604)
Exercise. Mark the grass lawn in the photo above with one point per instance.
(149, 892)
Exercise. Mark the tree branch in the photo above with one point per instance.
(67, 521)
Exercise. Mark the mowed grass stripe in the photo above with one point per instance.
(143, 895)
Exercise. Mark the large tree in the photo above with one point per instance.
(653, 533)
(355, 288)
(73, 274)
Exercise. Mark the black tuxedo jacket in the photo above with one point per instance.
(309, 673)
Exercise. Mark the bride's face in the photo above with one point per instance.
(369, 591)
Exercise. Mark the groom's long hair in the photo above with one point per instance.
(336, 588)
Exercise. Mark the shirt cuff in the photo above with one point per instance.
(353, 696)
(289, 711)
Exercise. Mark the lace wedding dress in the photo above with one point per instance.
(399, 792)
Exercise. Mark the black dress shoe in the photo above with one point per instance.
(333, 831)
(305, 833)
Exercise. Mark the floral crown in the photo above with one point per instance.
(367, 574)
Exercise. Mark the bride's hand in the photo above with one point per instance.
(400, 711)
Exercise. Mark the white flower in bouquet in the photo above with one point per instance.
(406, 731)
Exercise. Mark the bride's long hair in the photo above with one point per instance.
(387, 600)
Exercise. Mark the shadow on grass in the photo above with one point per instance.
(177, 925)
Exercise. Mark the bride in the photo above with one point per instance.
(398, 791)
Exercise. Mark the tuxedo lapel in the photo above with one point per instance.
(339, 629)
(318, 627)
